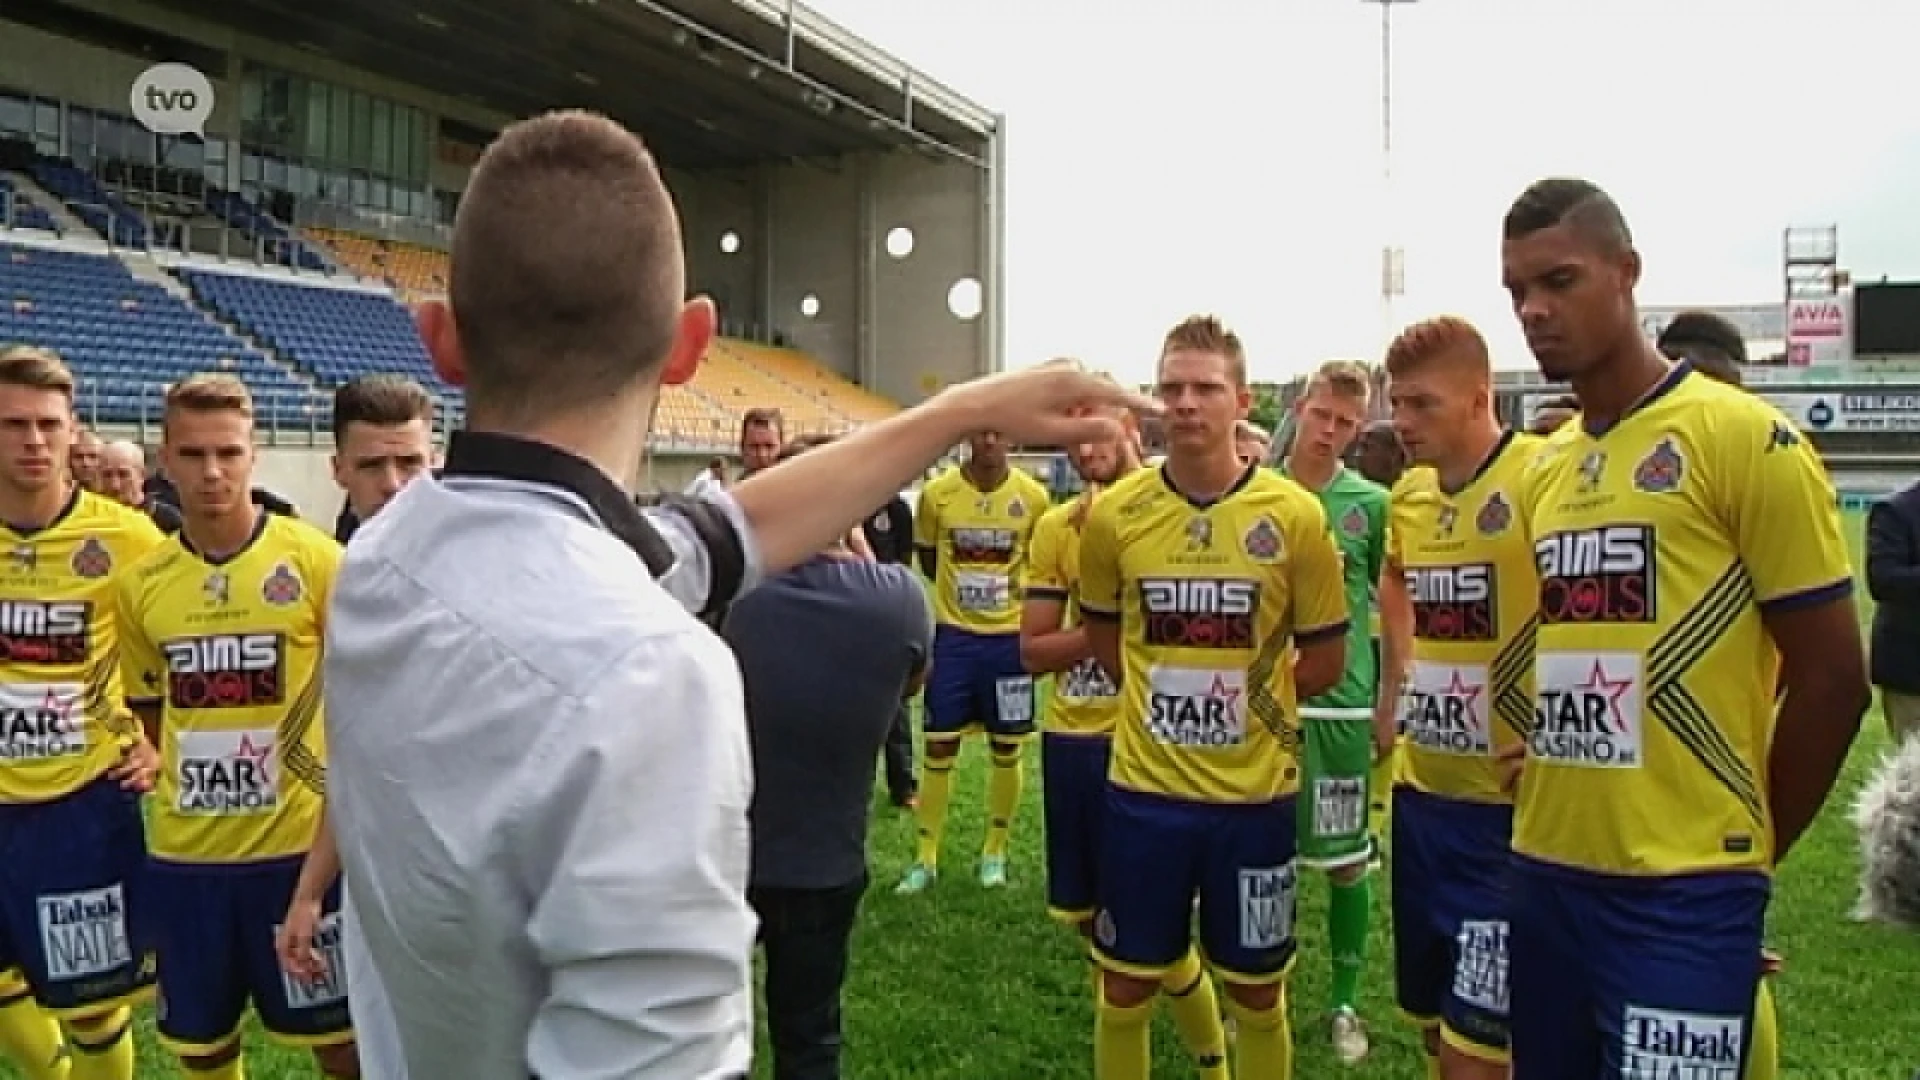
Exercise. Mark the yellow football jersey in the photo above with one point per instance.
(1469, 571)
(231, 652)
(1658, 544)
(1211, 600)
(980, 539)
(1084, 700)
(63, 717)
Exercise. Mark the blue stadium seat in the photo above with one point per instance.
(333, 333)
(91, 202)
(18, 211)
(127, 339)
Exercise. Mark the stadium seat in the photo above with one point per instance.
(92, 202)
(332, 333)
(415, 272)
(19, 212)
(126, 339)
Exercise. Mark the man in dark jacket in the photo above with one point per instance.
(889, 535)
(1893, 577)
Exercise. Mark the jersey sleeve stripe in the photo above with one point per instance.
(1803, 599)
(1097, 615)
(1315, 634)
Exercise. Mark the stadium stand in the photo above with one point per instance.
(92, 202)
(21, 212)
(281, 246)
(333, 333)
(126, 339)
(414, 271)
(853, 402)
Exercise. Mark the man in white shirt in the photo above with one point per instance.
(539, 769)
(710, 481)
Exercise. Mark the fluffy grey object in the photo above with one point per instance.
(1888, 817)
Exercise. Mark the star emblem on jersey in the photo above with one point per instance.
(1199, 534)
(217, 589)
(1262, 542)
(1221, 691)
(1612, 690)
(92, 560)
(1592, 468)
(1495, 515)
(1463, 691)
(281, 587)
(1353, 523)
(1661, 470)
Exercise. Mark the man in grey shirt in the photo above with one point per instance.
(539, 767)
(827, 651)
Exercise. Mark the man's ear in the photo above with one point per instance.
(442, 339)
(692, 336)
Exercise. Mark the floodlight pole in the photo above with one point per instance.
(1392, 259)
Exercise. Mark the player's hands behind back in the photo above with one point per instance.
(137, 768)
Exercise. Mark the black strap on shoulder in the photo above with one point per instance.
(726, 556)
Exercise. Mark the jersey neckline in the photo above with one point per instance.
(261, 518)
(1246, 477)
(1675, 375)
(1486, 465)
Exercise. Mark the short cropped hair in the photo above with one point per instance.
(35, 368)
(1709, 341)
(568, 276)
(761, 416)
(1347, 379)
(1578, 203)
(1206, 333)
(1427, 341)
(209, 392)
(380, 400)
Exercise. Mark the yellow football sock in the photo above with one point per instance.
(936, 787)
(1122, 1041)
(1003, 797)
(234, 1068)
(31, 1039)
(1763, 1057)
(104, 1051)
(1266, 1040)
(1433, 1068)
(1196, 1013)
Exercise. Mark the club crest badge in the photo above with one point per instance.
(91, 559)
(282, 587)
(1262, 542)
(1353, 523)
(1016, 509)
(1495, 515)
(1661, 470)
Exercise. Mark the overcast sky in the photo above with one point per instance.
(1173, 156)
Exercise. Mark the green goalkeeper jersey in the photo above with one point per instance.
(1357, 512)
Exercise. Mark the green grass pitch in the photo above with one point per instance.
(964, 984)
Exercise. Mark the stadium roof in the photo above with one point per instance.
(709, 83)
